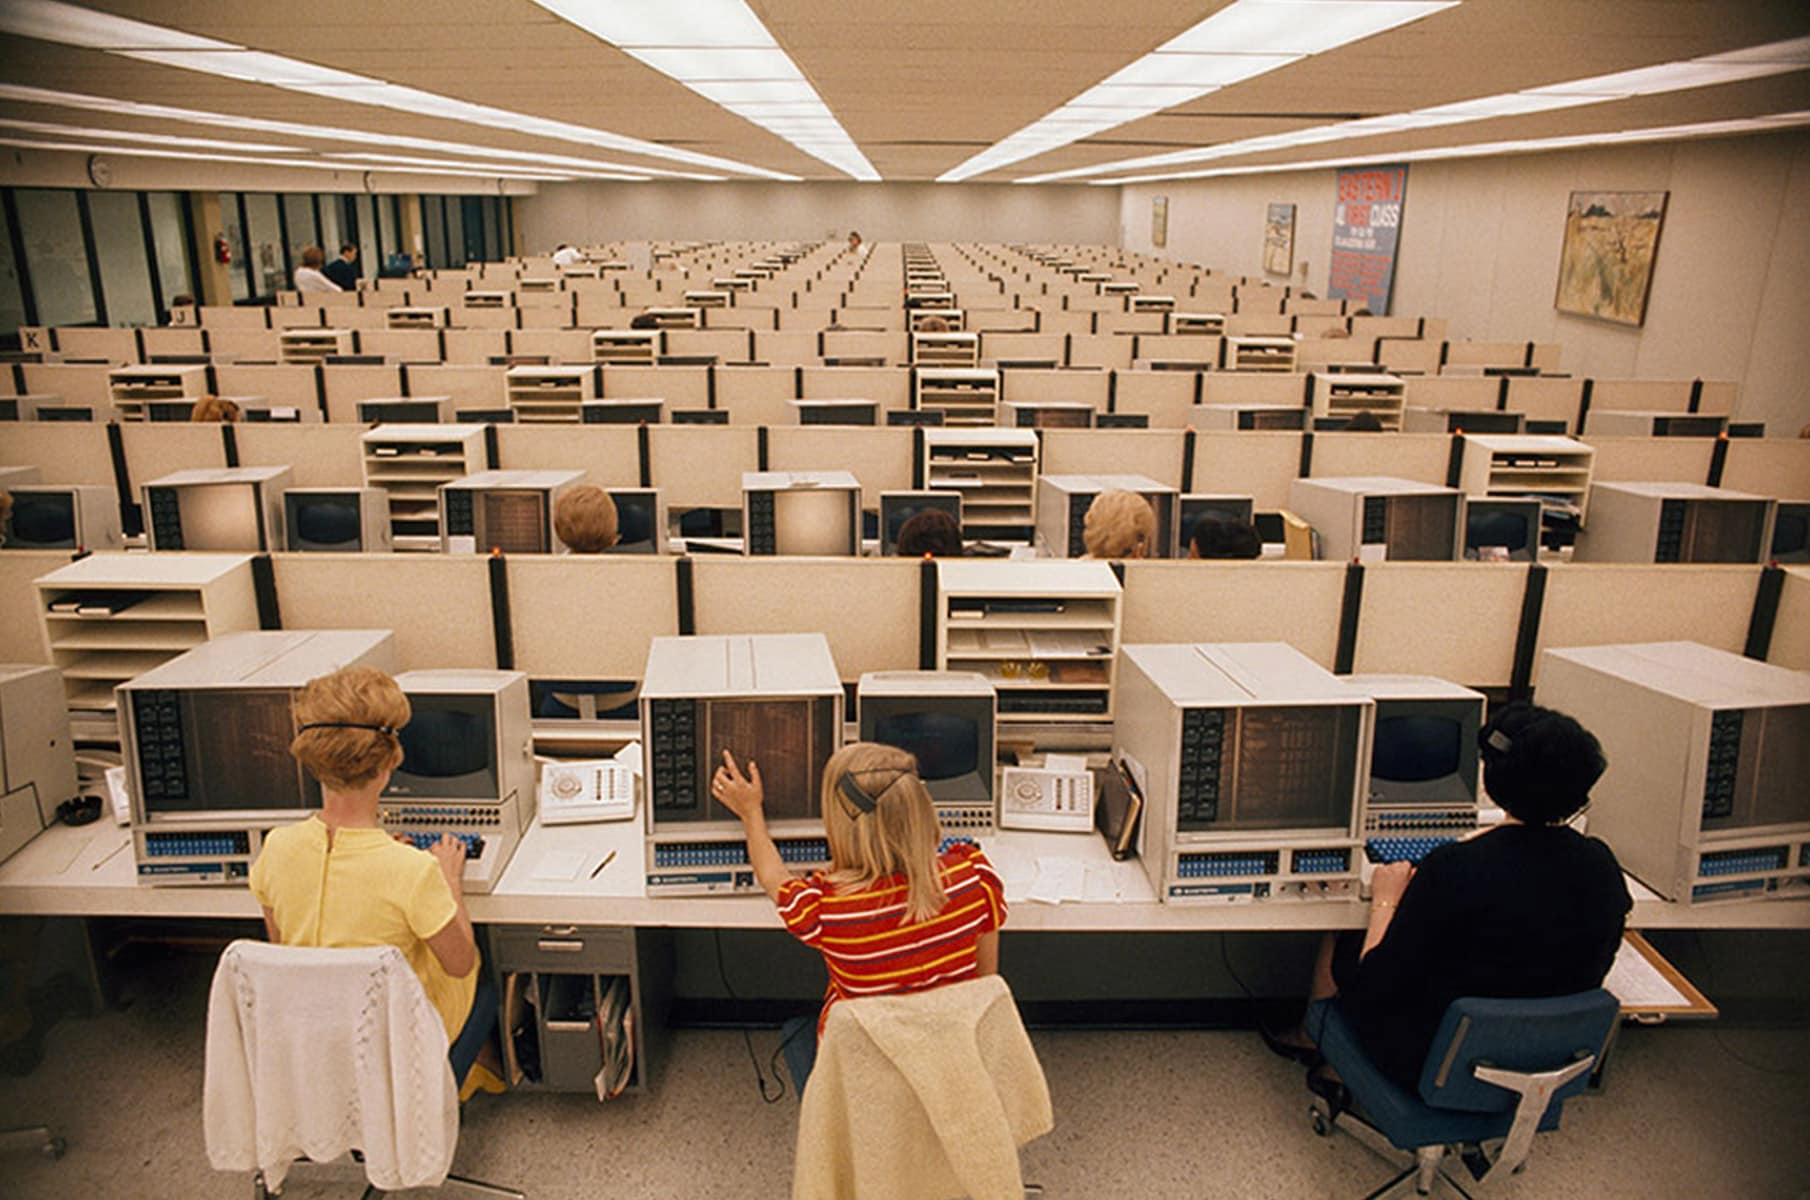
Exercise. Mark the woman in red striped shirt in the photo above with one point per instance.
(891, 915)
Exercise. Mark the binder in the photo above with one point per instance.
(1117, 808)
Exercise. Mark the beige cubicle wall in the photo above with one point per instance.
(155, 449)
(63, 451)
(609, 455)
(1650, 459)
(1164, 396)
(1769, 466)
(1460, 392)
(680, 387)
(756, 395)
(1596, 604)
(347, 385)
(1040, 385)
(1791, 633)
(890, 387)
(1179, 601)
(868, 608)
(590, 616)
(1540, 398)
(1154, 453)
(1260, 464)
(701, 466)
(71, 383)
(282, 385)
(1455, 621)
(479, 386)
(1422, 457)
(21, 640)
(439, 605)
(1661, 395)
(879, 458)
(320, 454)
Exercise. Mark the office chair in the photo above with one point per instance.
(920, 1096)
(1497, 1069)
(313, 1053)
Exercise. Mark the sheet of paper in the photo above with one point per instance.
(1101, 884)
(1071, 763)
(120, 793)
(560, 864)
(1638, 984)
(630, 756)
(1058, 879)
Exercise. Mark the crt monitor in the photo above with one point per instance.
(640, 521)
(218, 750)
(1425, 751)
(66, 517)
(222, 514)
(1791, 532)
(400, 412)
(513, 521)
(448, 749)
(896, 508)
(1502, 529)
(790, 737)
(1276, 767)
(943, 719)
(350, 520)
(1193, 507)
(812, 521)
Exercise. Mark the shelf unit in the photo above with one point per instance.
(186, 599)
(410, 462)
(955, 320)
(1207, 323)
(549, 395)
(1527, 465)
(1045, 634)
(1118, 287)
(1347, 395)
(1258, 354)
(540, 284)
(488, 299)
(1151, 304)
(680, 317)
(945, 349)
(707, 299)
(416, 318)
(633, 347)
(964, 395)
(995, 470)
(308, 346)
(134, 388)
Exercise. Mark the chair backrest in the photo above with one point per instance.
(1514, 1035)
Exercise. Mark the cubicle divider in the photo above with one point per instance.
(868, 609)
(609, 455)
(441, 606)
(1156, 453)
(590, 617)
(321, 454)
(1423, 457)
(1259, 464)
(1769, 466)
(1668, 459)
(1789, 645)
(880, 458)
(156, 450)
(1178, 601)
(1594, 604)
(21, 635)
(1449, 620)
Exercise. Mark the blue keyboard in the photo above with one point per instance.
(474, 844)
(944, 845)
(1403, 849)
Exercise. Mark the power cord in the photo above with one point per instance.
(760, 1079)
(1709, 972)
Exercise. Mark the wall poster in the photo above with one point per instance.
(1366, 229)
(1606, 266)
(1159, 221)
(1279, 239)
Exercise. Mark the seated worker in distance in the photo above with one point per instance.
(337, 879)
(1527, 908)
(933, 325)
(1363, 421)
(1120, 524)
(215, 408)
(892, 914)
(585, 520)
(1216, 537)
(932, 533)
(644, 321)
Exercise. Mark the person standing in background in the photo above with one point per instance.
(344, 269)
(309, 277)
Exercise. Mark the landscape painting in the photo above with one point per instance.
(1159, 221)
(1279, 239)
(1606, 267)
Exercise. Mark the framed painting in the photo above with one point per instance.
(1159, 221)
(1606, 265)
(1279, 239)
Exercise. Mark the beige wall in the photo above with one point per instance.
(1480, 245)
(597, 212)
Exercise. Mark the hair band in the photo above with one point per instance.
(852, 792)
(384, 729)
(1500, 741)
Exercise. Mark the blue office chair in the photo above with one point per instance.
(1497, 1069)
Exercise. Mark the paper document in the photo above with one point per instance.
(119, 792)
(1058, 879)
(560, 864)
(1638, 984)
(1071, 763)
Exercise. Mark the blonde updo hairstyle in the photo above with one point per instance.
(342, 758)
(1120, 524)
(900, 835)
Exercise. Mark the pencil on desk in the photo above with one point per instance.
(607, 860)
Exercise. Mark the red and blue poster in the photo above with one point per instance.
(1366, 228)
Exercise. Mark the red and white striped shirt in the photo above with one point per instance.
(869, 949)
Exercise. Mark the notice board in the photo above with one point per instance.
(1366, 229)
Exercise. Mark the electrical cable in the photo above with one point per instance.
(760, 1079)
(1716, 1033)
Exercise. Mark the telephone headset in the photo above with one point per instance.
(1504, 769)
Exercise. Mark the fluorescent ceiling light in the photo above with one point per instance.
(129, 135)
(1756, 61)
(481, 168)
(310, 164)
(721, 50)
(1663, 133)
(1245, 39)
(51, 20)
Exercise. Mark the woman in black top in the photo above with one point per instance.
(1529, 908)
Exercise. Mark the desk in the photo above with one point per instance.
(88, 872)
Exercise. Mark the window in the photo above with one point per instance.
(298, 222)
(455, 232)
(170, 233)
(12, 288)
(364, 208)
(240, 271)
(433, 228)
(119, 247)
(56, 256)
(387, 217)
(493, 229)
(331, 237)
(269, 269)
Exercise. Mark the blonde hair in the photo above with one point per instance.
(899, 837)
(1120, 524)
(933, 325)
(347, 758)
(214, 408)
(585, 519)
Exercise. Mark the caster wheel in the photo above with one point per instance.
(1322, 1125)
(55, 1148)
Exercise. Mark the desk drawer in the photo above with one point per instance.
(588, 949)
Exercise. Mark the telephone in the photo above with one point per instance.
(595, 790)
(1038, 798)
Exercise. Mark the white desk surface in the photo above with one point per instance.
(88, 871)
